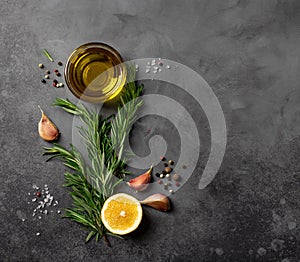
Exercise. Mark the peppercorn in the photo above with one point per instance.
(58, 74)
(165, 164)
(41, 66)
(47, 76)
(38, 194)
(171, 162)
(54, 84)
(60, 63)
(157, 174)
(47, 72)
(168, 169)
(161, 175)
(176, 177)
(55, 71)
(162, 158)
(43, 81)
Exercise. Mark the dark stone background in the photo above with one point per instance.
(248, 51)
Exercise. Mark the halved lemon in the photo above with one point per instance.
(121, 214)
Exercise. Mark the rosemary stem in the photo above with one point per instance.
(106, 240)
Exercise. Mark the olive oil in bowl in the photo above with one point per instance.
(95, 72)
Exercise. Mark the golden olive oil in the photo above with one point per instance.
(95, 73)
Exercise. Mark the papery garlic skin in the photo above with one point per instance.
(141, 182)
(157, 201)
(47, 129)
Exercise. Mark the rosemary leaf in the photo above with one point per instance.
(46, 53)
(90, 235)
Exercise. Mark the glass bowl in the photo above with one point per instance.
(95, 72)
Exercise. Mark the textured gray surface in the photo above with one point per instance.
(248, 51)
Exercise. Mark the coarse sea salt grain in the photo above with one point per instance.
(46, 200)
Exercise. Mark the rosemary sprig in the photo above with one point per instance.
(121, 125)
(91, 184)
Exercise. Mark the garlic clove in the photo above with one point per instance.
(141, 182)
(47, 129)
(157, 201)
